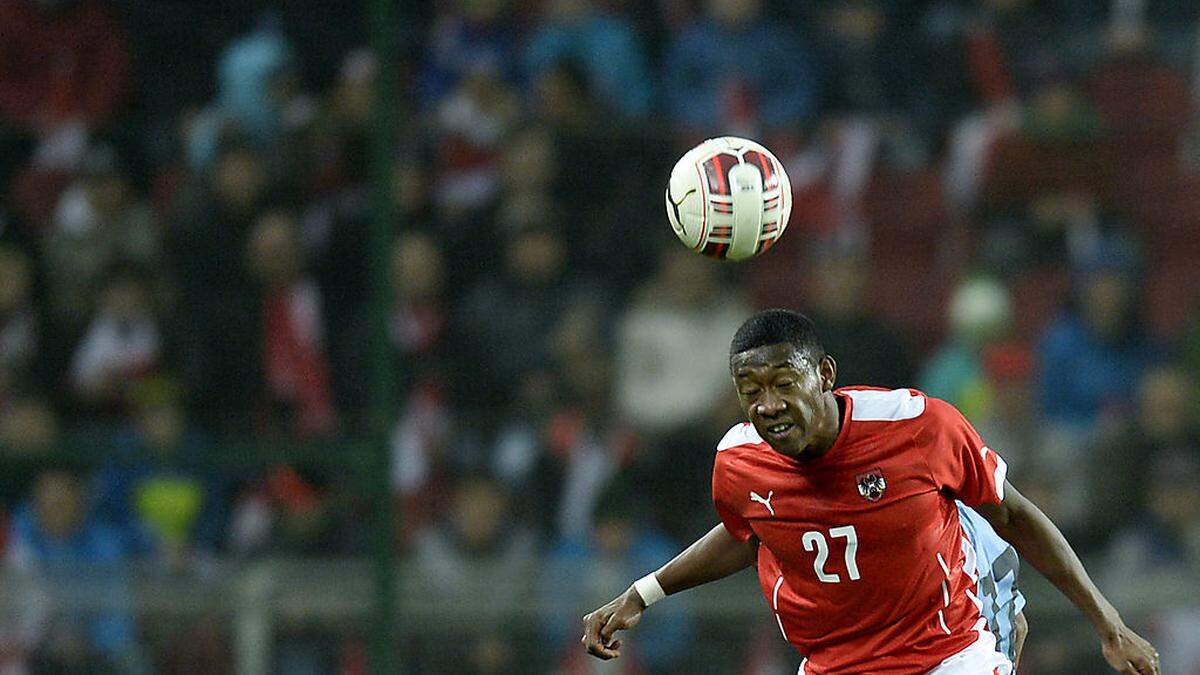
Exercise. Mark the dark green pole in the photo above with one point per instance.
(384, 29)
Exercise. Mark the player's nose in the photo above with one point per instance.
(771, 407)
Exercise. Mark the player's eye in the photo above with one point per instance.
(786, 384)
(748, 392)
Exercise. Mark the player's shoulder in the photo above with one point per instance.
(742, 434)
(876, 404)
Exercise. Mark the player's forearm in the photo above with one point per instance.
(714, 556)
(1039, 541)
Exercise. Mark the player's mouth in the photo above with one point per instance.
(780, 430)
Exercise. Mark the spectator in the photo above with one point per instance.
(623, 542)
(28, 425)
(219, 318)
(673, 343)
(297, 395)
(64, 63)
(100, 222)
(20, 329)
(258, 97)
(289, 512)
(472, 122)
(979, 310)
(159, 489)
(1163, 422)
(771, 85)
(1012, 420)
(123, 343)
(1167, 536)
(471, 35)
(64, 71)
(606, 43)
(1091, 353)
(535, 290)
(477, 554)
(57, 540)
(867, 351)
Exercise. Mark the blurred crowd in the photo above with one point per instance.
(996, 201)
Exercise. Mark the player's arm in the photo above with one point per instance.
(714, 556)
(1021, 523)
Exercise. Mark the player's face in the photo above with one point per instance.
(785, 394)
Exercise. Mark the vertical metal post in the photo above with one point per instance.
(384, 28)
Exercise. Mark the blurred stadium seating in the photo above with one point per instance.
(997, 201)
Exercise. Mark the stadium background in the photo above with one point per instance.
(289, 386)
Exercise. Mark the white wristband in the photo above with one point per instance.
(649, 588)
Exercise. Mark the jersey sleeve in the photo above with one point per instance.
(959, 461)
(724, 500)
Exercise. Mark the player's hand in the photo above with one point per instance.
(1129, 653)
(621, 613)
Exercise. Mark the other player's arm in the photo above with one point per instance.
(714, 556)
(1021, 523)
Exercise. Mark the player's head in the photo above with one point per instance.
(783, 377)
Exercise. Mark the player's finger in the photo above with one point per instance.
(1146, 666)
(601, 651)
(591, 631)
(612, 625)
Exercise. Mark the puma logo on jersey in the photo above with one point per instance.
(755, 497)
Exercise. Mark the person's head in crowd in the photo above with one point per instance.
(105, 180)
(59, 503)
(617, 518)
(127, 295)
(1009, 368)
(355, 89)
(856, 24)
(568, 11)
(239, 177)
(1059, 111)
(581, 354)
(418, 268)
(563, 97)
(478, 514)
(1106, 288)
(537, 391)
(482, 12)
(16, 280)
(980, 310)
(839, 283)
(536, 256)
(158, 414)
(685, 279)
(275, 255)
(1165, 410)
(1171, 490)
(411, 189)
(529, 163)
(733, 14)
(490, 653)
(28, 424)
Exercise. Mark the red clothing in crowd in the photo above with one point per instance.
(59, 64)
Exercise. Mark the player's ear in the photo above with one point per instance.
(828, 372)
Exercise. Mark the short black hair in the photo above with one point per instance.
(777, 326)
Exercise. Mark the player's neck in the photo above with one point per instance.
(829, 426)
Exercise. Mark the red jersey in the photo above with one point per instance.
(862, 558)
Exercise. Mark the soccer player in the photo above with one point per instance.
(845, 500)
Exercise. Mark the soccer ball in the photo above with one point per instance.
(729, 198)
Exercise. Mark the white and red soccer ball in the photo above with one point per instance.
(729, 198)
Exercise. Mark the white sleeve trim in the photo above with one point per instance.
(739, 434)
(1000, 473)
(885, 406)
